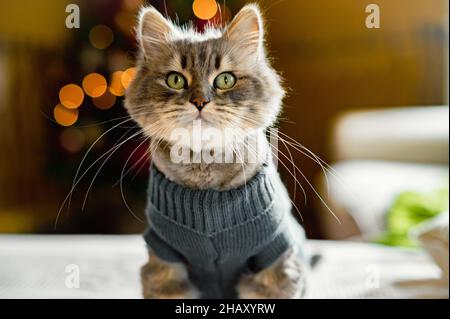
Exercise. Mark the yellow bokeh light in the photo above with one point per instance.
(105, 102)
(101, 36)
(128, 76)
(71, 96)
(116, 87)
(64, 116)
(94, 85)
(205, 9)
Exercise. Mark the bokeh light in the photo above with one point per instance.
(101, 36)
(71, 96)
(116, 87)
(106, 101)
(205, 9)
(128, 76)
(94, 85)
(64, 116)
(72, 140)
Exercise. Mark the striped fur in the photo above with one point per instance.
(200, 57)
(248, 108)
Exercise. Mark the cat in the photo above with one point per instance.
(222, 78)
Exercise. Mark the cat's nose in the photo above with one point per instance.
(199, 102)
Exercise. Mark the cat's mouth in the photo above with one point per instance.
(201, 117)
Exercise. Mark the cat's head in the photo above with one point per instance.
(220, 76)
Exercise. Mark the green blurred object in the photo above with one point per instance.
(410, 209)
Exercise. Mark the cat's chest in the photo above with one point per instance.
(204, 176)
(217, 176)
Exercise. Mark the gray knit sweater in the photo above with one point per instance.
(220, 235)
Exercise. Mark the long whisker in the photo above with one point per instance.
(317, 194)
(325, 167)
(84, 158)
(120, 181)
(312, 157)
(100, 168)
(160, 131)
(87, 125)
(123, 173)
(69, 195)
(98, 139)
(122, 176)
(299, 147)
(142, 165)
(296, 180)
(295, 173)
(237, 153)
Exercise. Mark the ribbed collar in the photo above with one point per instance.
(210, 211)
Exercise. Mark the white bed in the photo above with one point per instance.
(108, 266)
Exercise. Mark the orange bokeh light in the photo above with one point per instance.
(105, 102)
(116, 87)
(94, 85)
(64, 116)
(205, 9)
(71, 96)
(101, 36)
(128, 76)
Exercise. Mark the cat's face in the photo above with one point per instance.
(221, 77)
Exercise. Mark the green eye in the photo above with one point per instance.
(176, 81)
(225, 81)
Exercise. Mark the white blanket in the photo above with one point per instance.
(108, 267)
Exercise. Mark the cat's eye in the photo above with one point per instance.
(176, 81)
(225, 81)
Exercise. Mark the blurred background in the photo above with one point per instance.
(371, 102)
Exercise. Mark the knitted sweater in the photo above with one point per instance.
(220, 235)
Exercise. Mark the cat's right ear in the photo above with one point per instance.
(246, 31)
(153, 30)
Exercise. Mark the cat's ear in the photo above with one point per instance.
(246, 31)
(153, 30)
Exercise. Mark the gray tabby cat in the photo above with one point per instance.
(223, 78)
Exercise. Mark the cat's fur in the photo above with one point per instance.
(249, 107)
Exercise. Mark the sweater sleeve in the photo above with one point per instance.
(160, 247)
(289, 234)
(270, 252)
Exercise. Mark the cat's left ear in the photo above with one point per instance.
(153, 30)
(246, 31)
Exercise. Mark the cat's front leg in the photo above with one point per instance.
(285, 279)
(163, 280)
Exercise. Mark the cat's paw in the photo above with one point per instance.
(284, 280)
(161, 280)
(171, 290)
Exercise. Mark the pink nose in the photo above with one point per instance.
(199, 102)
